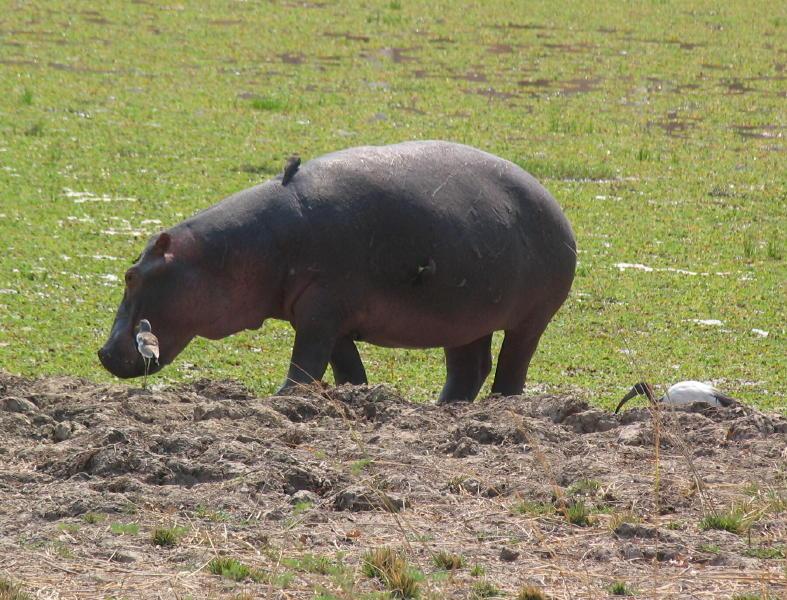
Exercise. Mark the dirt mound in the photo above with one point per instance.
(90, 471)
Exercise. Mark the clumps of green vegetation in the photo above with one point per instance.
(309, 563)
(93, 518)
(577, 513)
(676, 525)
(773, 249)
(124, 528)
(62, 549)
(584, 487)
(709, 548)
(644, 154)
(749, 597)
(231, 568)
(527, 507)
(619, 588)
(268, 103)
(217, 516)
(477, 570)
(731, 521)
(27, 96)
(566, 170)
(483, 589)
(301, 507)
(531, 592)
(359, 466)
(11, 591)
(167, 536)
(68, 527)
(775, 552)
(392, 569)
(749, 247)
(776, 502)
(447, 561)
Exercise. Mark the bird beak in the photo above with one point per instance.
(632, 392)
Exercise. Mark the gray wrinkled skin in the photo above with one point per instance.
(419, 244)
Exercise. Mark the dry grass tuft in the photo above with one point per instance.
(531, 593)
(392, 569)
(447, 561)
(11, 591)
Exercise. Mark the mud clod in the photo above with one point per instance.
(508, 555)
(359, 498)
(17, 405)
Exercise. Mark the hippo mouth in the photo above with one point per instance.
(126, 363)
(120, 357)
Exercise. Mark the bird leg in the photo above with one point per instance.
(145, 381)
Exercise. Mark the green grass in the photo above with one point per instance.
(93, 518)
(231, 568)
(536, 509)
(360, 465)
(619, 588)
(167, 536)
(12, 591)
(764, 552)
(217, 516)
(310, 563)
(731, 521)
(583, 487)
(267, 103)
(638, 137)
(484, 589)
(577, 513)
(301, 507)
(124, 528)
(477, 570)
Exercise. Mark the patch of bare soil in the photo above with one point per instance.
(299, 488)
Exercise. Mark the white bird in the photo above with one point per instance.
(682, 393)
(147, 344)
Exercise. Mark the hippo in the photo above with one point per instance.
(417, 245)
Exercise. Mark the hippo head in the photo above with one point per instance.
(180, 293)
(159, 288)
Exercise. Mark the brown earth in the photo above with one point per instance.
(278, 482)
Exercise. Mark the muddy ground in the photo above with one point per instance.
(89, 471)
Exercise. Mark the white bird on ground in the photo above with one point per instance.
(147, 344)
(682, 393)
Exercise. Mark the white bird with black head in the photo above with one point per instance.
(147, 344)
(680, 394)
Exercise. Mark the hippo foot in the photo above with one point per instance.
(453, 401)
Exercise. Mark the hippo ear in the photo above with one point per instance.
(162, 243)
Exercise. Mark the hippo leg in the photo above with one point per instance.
(467, 367)
(315, 336)
(514, 359)
(346, 363)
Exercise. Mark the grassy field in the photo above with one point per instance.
(658, 126)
